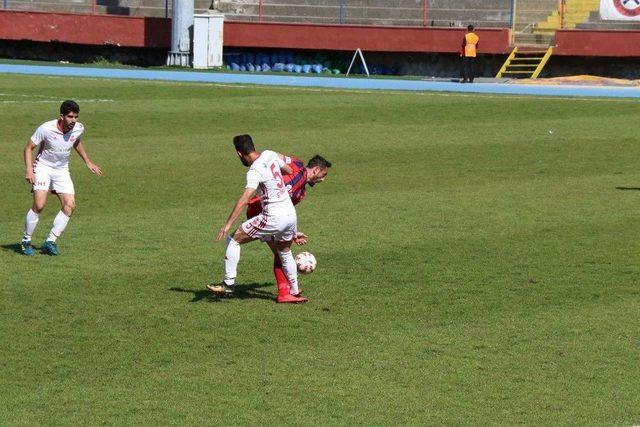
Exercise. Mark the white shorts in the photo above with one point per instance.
(266, 227)
(55, 180)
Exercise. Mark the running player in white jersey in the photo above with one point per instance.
(50, 173)
(276, 223)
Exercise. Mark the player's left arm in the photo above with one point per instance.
(85, 157)
(284, 167)
(287, 169)
(242, 202)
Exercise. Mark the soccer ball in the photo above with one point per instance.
(306, 262)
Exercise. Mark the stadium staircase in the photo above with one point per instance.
(525, 62)
(575, 12)
(533, 42)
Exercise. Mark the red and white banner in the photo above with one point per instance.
(620, 10)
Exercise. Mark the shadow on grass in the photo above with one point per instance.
(242, 291)
(13, 247)
(628, 188)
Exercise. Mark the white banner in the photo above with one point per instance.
(620, 10)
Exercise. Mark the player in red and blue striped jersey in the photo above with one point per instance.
(296, 182)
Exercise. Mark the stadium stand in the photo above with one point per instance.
(439, 13)
(535, 20)
(594, 22)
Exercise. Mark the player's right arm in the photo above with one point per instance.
(237, 209)
(28, 164)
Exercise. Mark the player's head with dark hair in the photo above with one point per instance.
(318, 161)
(317, 169)
(69, 111)
(470, 27)
(244, 148)
(69, 106)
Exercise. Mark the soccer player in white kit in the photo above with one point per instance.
(276, 223)
(49, 172)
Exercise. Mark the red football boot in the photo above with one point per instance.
(288, 298)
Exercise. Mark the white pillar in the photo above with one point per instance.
(181, 30)
(207, 39)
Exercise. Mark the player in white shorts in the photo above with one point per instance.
(49, 172)
(277, 222)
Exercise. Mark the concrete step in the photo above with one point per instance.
(534, 39)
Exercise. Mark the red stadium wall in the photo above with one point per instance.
(597, 43)
(85, 29)
(156, 33)
(351, 37)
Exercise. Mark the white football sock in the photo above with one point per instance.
(30, 222)
(231, 259)
(59, 224)
(291, 270)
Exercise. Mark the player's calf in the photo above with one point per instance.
(290, 268)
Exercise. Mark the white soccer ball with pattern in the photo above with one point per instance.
(306, 262)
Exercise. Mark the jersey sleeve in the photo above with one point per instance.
(281, 163)
(80, 133)
(253, 179)
(38, 135)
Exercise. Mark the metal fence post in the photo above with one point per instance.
(342, 7)
(513, 20)
(260, 11)
(166, 9)
(425, 12)
(563, 4)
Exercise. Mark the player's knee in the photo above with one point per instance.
(283, 246)
(241, 237)
(284, 252)
(69, 207)
(38, 207)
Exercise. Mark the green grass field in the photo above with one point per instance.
(474, 268)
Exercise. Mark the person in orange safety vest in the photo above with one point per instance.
(469, 51)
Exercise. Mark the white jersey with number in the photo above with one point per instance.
(265, 176)
(55, 146)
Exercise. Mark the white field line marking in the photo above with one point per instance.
(366, 91)
(56, 102)
(28, 96)
(43, 99)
